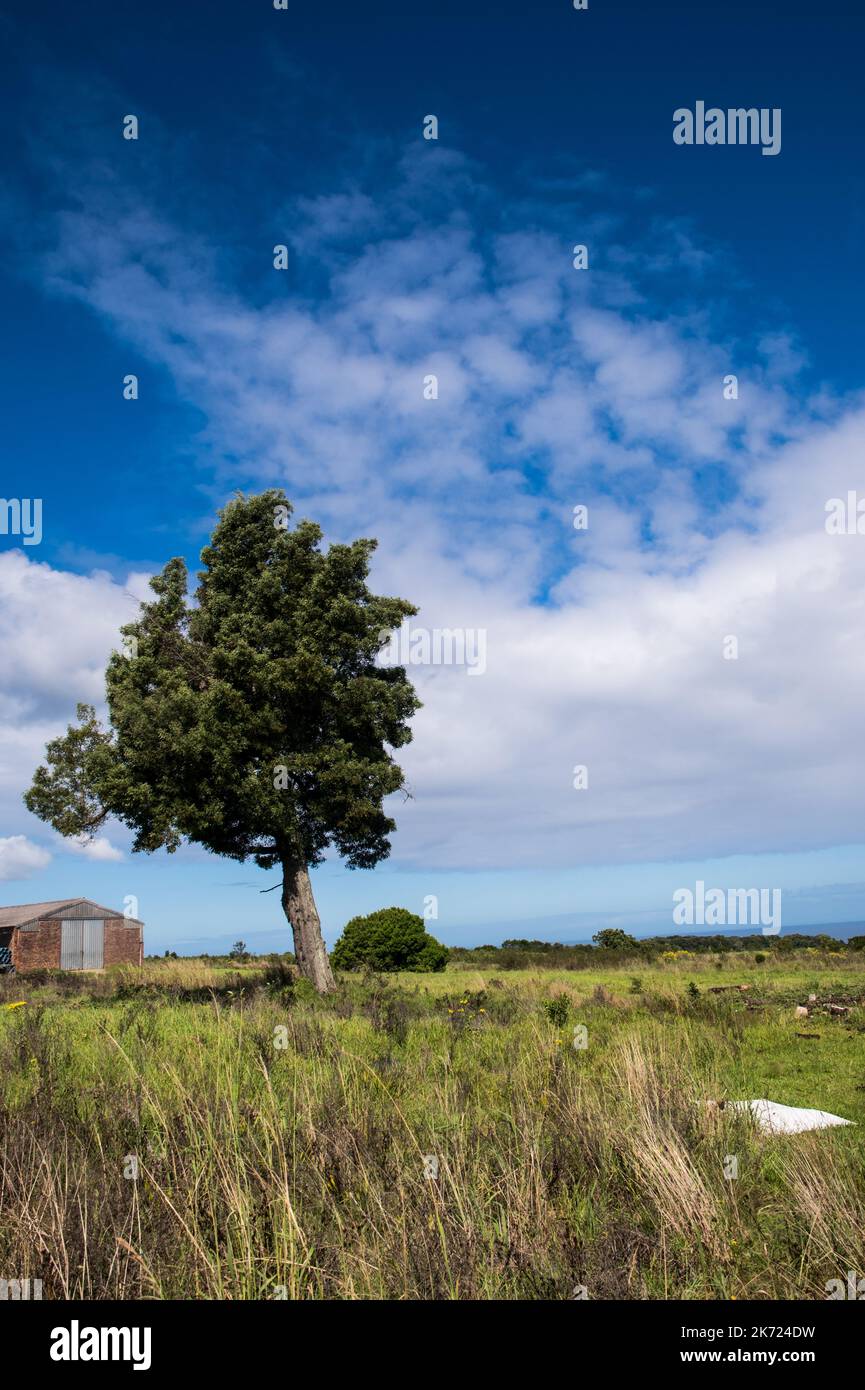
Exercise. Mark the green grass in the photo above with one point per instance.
(281, 1139)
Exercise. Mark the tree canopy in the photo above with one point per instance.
(391, 939)
(614, 939)
(255, 721)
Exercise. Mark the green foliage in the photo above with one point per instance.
(512, 960)
(257, 721)
(558, 1009)
(238, 951)
(521, 943)
(522, 954)
(614, 939)
(236, 1093)
(391, 939)
(274, 667)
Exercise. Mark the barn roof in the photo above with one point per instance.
(25, 913)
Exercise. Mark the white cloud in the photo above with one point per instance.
(57, 629)
(56, 633)
(20, 858)
(99, 849)
(556, 387)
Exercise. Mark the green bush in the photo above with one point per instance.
(557, 1009)
(391, 939)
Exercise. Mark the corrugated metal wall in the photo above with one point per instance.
(71, 945)
(89, 911)
(82, 945)
(94, 945)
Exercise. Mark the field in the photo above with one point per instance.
(208, 1133)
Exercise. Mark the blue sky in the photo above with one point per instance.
(557, 387)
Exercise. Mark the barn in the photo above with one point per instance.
(70, 934)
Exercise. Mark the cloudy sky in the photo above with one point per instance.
(607, 648)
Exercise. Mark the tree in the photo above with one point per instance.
(257, 722)
(239, 951)
(614, 939)
(391, 939)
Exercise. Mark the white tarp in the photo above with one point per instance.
(772, 1118)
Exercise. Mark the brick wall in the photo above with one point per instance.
(123, 943)
(40, 949)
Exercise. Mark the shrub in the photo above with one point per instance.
(557, 1009)
(614, 939)
(512, 960)
(391, 939)
(279, 980)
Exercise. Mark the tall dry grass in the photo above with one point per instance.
(283, 1145)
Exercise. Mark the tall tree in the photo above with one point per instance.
(256, 722)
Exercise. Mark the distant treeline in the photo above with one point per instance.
(609, 946)
(233, 958)
(518, 953)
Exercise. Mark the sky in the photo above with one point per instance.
(605, 385)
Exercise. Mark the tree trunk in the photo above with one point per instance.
(302, 913)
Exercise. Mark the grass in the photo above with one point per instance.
(282, 1142)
